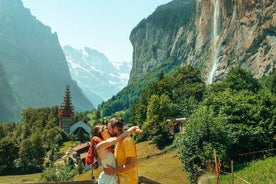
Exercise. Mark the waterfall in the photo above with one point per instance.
(216, 45)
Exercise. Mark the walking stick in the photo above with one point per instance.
(92, 177)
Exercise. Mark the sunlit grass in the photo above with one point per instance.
(259, 172)
(147, 148)
(20, 178)
(153, 166)
(164, 168)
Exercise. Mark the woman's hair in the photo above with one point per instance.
(97, 131)
(97, 138)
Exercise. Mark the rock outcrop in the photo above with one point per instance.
(214, 35)
(8, 108)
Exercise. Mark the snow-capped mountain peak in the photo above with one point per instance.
(98, 78)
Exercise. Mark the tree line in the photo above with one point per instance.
(233, 116)
(32, 145)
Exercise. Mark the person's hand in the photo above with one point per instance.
(109, 170)
(138, 131)
(135, 129)
(132, 129)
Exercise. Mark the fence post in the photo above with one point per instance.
(217, 169)
(232, 171)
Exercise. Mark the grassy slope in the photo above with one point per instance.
(261, 172)
(166, 168)
(153, 166)
(20, 178)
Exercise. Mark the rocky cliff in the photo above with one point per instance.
(214, 35)
(33, 61)
(8, 108)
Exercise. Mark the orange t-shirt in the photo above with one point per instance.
(124, 149)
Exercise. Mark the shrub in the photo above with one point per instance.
(59, 173)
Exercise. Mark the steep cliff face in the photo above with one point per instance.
(8, 108)
(216, 35)
(243, 34)
(34, 63)
(160, 37)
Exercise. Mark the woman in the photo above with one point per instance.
(104, 151)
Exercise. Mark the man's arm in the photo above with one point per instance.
(131, 162)
(113, 140)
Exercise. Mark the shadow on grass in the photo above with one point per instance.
(144, 180)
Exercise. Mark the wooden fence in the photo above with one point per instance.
(66, 182)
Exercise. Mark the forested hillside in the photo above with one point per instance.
(233, 117)
(32, 64)
(204, 64)
(210, 35)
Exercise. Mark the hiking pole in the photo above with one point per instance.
(92, 177)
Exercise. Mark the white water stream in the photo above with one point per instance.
(216, 45)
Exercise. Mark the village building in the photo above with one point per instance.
(176, 125)
(66, 122)
(81, 125)
(66, 113)
(80, 151)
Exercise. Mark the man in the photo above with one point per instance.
(125, 154)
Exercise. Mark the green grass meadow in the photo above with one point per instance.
(20, 178)
(257, 172)
(159, 167)
(153, 166)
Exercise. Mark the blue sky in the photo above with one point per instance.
(104, 25)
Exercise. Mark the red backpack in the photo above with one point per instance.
(90, 157)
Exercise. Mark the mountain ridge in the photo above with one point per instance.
(34, 62)
(95, 74)
(214, 37)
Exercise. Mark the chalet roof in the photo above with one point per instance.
(80, 124)
(83, 155)
(81, 146)
(182, 119)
